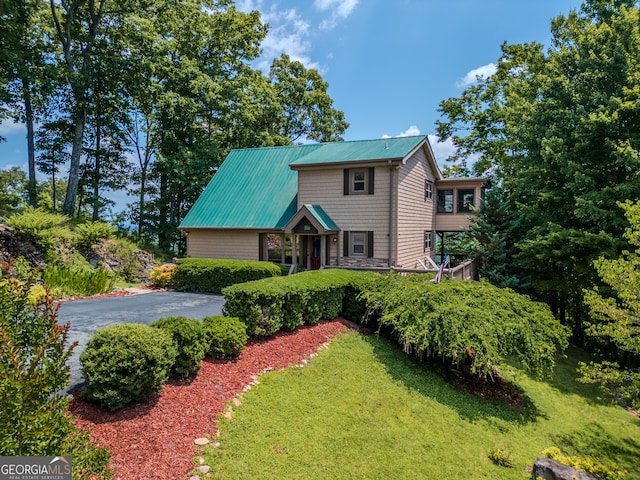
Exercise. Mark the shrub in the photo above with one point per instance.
(89, 233)
(605, 471)
(212, 275)
(268, 305)
(76, 281)
(189, 337)
(162, 276)
(126, 363)
(500, 457)
(46, 230)
(474, 325)
(33, 370)
(226, 336)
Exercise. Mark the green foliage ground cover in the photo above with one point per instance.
(363, 409)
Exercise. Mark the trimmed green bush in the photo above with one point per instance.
(47, 230)
(474, 325)
(189, 337)
(226, 336)
(126, 363)
(212, 275)
(269, 305)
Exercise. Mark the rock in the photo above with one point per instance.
(204, 469)
(201, 441)
(547, 469)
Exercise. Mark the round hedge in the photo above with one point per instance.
(226, 336)
(126, 363)
(189, 337)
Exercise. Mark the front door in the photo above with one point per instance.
(315, 253)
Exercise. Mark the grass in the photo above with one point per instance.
(362, 409)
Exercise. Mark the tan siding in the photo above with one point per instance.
(456, 222)
(349, 212)
(238, 244)
(415, 214)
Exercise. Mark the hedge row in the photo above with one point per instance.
(212, 275)
(269, 305)
(127, 363)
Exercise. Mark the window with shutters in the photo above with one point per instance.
(358, 244)
(359, 181)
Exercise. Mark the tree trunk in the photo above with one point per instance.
(28, 111)
(96, 176)
(74, 169)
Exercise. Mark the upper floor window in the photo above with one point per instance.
(465, 199)
(428, 190)
(445, 201)
(359, 181)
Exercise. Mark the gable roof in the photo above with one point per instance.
(360, 150)
(253, 188)
(256, 188)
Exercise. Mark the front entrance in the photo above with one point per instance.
(316, 253)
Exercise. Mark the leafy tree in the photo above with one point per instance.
(307, 109)
(52, 142)
(25, 44)
(615, 314)
(13, 183)
(558, 129)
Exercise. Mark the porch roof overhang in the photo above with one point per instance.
(314, 217)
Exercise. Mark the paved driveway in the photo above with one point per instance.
(87, 316)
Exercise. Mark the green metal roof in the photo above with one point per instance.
(254, 188)
(361, 150)
(257, 187)
(322, 217)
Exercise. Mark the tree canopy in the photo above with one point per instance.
(556, 129)
(149, 96)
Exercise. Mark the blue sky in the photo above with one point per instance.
(388, 64)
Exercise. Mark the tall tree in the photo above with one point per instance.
(559, 128)
(307, 109)
(25, 46)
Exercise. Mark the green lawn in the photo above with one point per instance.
(362, 409)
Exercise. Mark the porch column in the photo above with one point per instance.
(294, 254)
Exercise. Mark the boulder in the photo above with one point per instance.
(547, 469)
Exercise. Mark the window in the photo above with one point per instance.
(358, 181)
(358, 244)
(445, 201)
(428, 190)
(465, 200)
(427, 241)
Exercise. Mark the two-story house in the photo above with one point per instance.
(371, 203)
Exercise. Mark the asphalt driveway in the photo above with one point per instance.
(87, 316)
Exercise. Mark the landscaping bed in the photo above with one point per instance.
(154, 439)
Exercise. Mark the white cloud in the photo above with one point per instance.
(484, 71)
(444, 149)
(9, 127)
(409, 132)
(339, 9)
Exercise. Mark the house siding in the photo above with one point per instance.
(415, 214)
(457, 222)
(212, 243)
(350, 212)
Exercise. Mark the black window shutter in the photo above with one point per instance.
(345, 246)
(346, 181)
(371, 180)
(370, 244)
(261, 246)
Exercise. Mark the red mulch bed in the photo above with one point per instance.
(154, 440)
